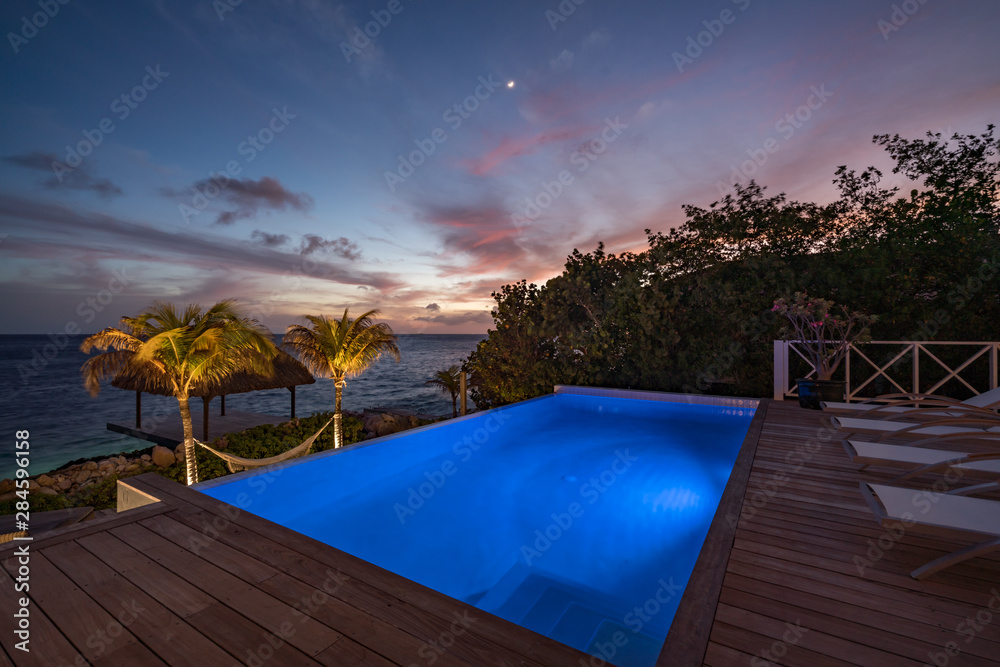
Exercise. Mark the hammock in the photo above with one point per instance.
(237, 463)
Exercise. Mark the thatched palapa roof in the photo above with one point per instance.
(288, 372)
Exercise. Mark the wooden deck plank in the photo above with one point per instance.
(506, 636)
(265, 610)
(359, 598)
(47, 646)
(83, 622)
(165, 633)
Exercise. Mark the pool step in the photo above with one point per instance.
(575, 615)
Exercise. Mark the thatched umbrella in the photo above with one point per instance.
(288, 373)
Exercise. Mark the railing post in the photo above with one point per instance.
(993, 366)
(916, 368)
(847, 372)
(463, 389)
(780, 369)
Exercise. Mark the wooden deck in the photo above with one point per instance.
(189, 580)
(793, 593)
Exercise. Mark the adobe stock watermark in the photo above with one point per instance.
(87, 309)
(758, 498)
(435, 479)
(591, 491)
(697, 44)
(787, 126)
(122, 107)
(432, 650)
(635, 620)
(254, 145)
(303, 610)
(30, 25)
(922, 501)
(455, 116)
(361, 39)
(223, 7)
(969, 628)
(582, 159)
(899, 17)
(774, 654)
(562, 12)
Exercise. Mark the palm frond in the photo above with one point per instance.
(103, 367)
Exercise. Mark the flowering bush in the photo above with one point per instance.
(824, 336)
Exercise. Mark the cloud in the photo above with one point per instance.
(433, 307)
(248, 197)
(526, 145)
(78, 178)
(53, 233)
(471, 317)
(485, 232)
(269, 240)
(595, 39)
(562, 62)
(341, 247)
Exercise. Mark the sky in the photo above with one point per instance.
(309, 156)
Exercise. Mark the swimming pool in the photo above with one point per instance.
(577, 516)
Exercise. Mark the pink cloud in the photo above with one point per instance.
(515, 147)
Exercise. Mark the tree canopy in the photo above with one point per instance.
(693, 311)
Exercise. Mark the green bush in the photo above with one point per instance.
(37, 503)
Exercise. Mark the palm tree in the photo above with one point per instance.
(340, 349)
(181, 350)
(449, 381)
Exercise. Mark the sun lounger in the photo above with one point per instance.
(920, 460)
(967, 427)
(894, 405)
(941, 515)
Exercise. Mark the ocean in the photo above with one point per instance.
(42, 391)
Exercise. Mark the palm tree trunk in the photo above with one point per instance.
(189, 460)
(338, 427)
(454, 405)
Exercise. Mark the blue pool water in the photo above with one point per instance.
(578, 517)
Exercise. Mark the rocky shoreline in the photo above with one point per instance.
(78, 476)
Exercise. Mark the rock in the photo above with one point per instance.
(146, 457)
(48, 491)
(33, 485)
(90, 465)
(45, 480)
(10, 495)
(179, 452)
(163, 457)
(132, 467)
(81, 477)
(65, 484)
(386, 423)
(122, 461)
(6, 485)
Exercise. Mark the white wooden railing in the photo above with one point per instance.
(920, 352)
